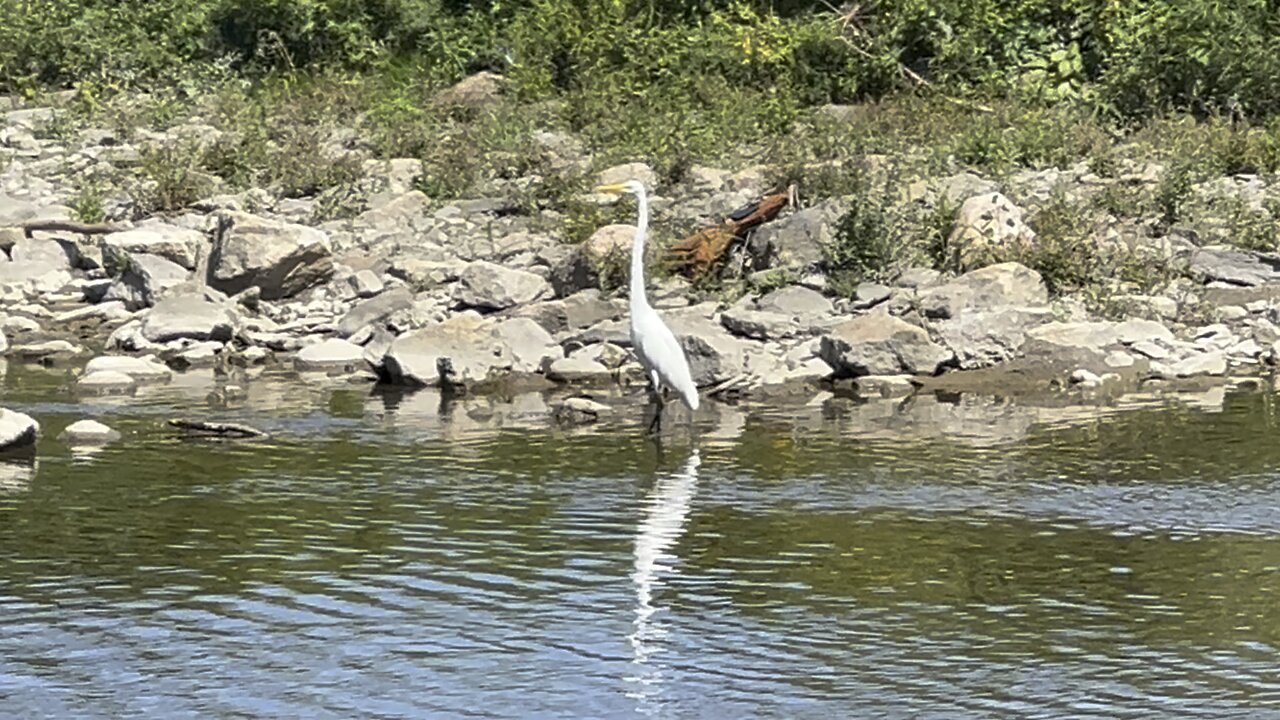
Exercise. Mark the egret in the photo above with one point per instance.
(654, 343)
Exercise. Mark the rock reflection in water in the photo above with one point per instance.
(663, 523)
(15, 477)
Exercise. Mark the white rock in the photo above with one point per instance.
(88, 432)
(366, 283)
(1119, 359)
(18, 431)
(578, 369)
(1210, 363)
(1084, 378)
(139, 368)
(107, 382)
(329, 355)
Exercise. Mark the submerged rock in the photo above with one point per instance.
(106, 382)
(331, 355)
(137, 368)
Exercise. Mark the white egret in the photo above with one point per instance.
(654, 343)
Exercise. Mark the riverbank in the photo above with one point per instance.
(884, 279)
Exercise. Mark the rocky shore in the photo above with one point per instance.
(478, 295)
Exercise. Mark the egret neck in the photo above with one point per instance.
(638, 298)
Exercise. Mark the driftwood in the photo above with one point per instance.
(29, 229)
(212, 429)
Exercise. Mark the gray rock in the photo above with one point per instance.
(375, 309)
(579, 369)
(176, 244)
(992, 287)
(918, 278)
(714, 354)
(88, 432)
(464, 350)
(983, 339)
(880, 344)
(331, 355)
(797, 241)
(797, 302)
(868, 295)
(4, 343)
(532, 347)
(475, 92)
(143, 369)
(18, 431)
(758, 324)
(143, 280)
(488, 286)
(1237, 267)
(610, 243)
(571, 270)
(366, 283)
(282, 259)
(188, 315)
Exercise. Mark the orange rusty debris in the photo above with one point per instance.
(703, 250)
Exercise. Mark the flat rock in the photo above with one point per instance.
(142, 369)
(188, 315)
(488, 286)
(579, 369)
(18, 431)
(984, 338)
(282, 259)
(881, 344)
(990, 288)
(375, 309)
(330, 355)
(1210, 363)
(758, 324)
(366, 283)
(1235, 267)
(796, 301)
(88, 432)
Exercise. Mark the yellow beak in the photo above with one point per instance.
(614, 189)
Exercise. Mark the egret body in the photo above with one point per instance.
(654, 343)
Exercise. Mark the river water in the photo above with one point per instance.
(398, 556)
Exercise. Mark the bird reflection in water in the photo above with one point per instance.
(664, 521)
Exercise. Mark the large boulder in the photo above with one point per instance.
(1234, 266)
(758, 324)
(990, 288)
(1069, 345)
(173, 243)
(611, 242)
(463, 350)
(487, 286)
(714, 354)
(189, 315)
(881, 344)
(143, 279)
(797, 242)
(281, 259)
(989, 228)
(18, 431)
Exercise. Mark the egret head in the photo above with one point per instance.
(630, 186)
